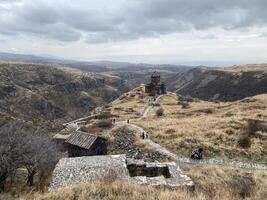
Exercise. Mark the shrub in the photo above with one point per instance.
(244, 186)
(244, 141)
(104, 123)
(230, 131)
(229, 114)
(156, 104)
(160, 112)
(108, 106)
(170, 131)
(104, 115)
(130, 110)
(184, 104)
(207, 110)
(185, 98)
(141, 96)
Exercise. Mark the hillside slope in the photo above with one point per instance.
(35, 93)
(226, 84)
(227, 130)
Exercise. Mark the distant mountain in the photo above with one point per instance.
(30, 58)
(227, 84)
(85, 65)
(134, 73)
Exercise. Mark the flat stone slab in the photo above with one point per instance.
(69, 171)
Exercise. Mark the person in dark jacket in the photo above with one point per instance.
(197, 154)
(143, 135)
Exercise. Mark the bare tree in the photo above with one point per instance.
(31, 149)
(41, 155)
(11, 144)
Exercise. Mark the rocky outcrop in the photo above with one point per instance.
(125, 143)
(7, 90)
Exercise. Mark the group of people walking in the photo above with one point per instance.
(145, 135)
(114, 121)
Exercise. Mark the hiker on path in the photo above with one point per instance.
(143, 135)
(197, 154)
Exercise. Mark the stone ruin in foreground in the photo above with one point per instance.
(69, 171)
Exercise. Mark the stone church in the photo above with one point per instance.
(155, 87)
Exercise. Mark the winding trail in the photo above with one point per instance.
(176, 158)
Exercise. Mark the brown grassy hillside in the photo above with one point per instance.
(227, 84)
(43, 93)
(225, 129)
(218, 127)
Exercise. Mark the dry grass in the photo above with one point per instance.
(210, 183)
(130, 105)
(228, 183)
(247, 68)
(215, 126)
(218, 127)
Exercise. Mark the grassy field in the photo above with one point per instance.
(210, 183)
(218, 127)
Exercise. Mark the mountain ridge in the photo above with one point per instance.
(226, 84)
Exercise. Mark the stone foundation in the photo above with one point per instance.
(69, 171)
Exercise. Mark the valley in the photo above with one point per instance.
(43, 94)
(231, 132)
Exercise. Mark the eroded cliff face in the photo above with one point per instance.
(225, 84)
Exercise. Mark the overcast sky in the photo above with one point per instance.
(209, 32)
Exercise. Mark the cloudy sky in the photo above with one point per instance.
(209, 32)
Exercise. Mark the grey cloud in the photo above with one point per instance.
(209, 37)
(9, 1)
(129, 20)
